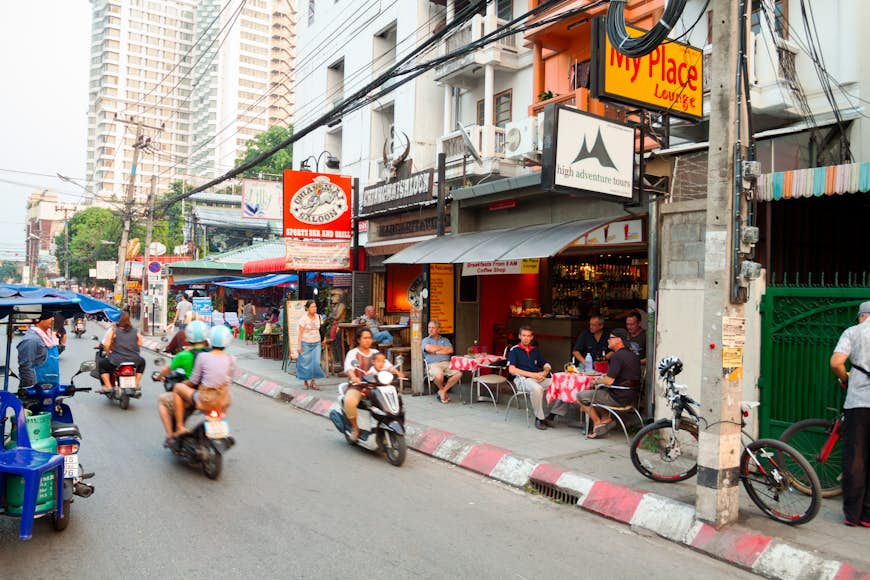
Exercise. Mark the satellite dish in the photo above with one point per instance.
(156, 249)
(469, 145)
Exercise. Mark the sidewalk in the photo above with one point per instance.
(596, 474)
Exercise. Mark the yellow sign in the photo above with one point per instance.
(669, 79)
(441, 295)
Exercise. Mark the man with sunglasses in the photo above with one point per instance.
(854, 346)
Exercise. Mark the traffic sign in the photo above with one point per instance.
(154, 267)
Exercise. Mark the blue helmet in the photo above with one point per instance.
(220, 336)
(196, 331)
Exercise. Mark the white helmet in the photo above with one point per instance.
(220, 336)
(196, 331)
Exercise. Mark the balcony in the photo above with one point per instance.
(492, 153)
(502, 54)
(772, 77)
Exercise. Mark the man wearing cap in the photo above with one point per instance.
(854, 346)
(38, 354)
(623, 371)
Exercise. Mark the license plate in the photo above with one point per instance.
(127, 382)
(217, 429)
(70, 466)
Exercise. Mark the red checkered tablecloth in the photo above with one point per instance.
(467, 363)
(565, 386)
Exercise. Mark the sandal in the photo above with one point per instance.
(599, 432)
(315, 387)
(169, 442)
(444, 401)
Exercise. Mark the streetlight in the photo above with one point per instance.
(332, 162)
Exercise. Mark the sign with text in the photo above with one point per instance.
(202, 308)
(316, 205)
(317, 255)
(441, 295)
(295, 310)
(415, 188)
(624, 232)
(107, 270)
(262, 199)
(669, 79)
(587, 154)
(406, 225)
(525, 266)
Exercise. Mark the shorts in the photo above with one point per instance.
(208, 398)
(603, 396)
(443, 366)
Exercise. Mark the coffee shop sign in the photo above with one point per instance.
(388, 195)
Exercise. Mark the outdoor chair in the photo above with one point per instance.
(29, 464)
(615, 412)
(493, 379)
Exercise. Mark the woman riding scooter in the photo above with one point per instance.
(122, 344)
(356, 364)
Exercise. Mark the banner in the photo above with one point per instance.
(624, 232)
(136, 270)
(262, 199)
(294, 310)
(317, 255)
(441, 295)
(525, 266)
(316, 205)
(202, 308)
(106, 270)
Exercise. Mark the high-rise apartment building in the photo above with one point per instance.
(201, 76)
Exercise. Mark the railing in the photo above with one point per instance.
(474, 30)
(453, 144)
(578, 98)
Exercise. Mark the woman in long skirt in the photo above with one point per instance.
(308, 364)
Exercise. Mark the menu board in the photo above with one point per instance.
(441, 296)
(294, 309)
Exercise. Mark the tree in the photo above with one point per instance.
(9, 272)
(277, 163)
(88, 230)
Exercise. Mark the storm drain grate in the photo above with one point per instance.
(554, 493)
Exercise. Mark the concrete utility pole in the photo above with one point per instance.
(120, 278)
(146, 258)
(66, 211)
(719, 444)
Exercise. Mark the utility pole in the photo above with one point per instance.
(65, 211)
(146, 258)
(719, 444)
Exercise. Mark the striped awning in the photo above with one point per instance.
(814, 182)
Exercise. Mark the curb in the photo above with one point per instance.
(642, 510)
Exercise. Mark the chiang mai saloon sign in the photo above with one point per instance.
(316, 205)
(415, 188)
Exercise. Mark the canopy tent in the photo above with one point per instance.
(814, 182)
(538, 241)
(68, 303)
(261, 282)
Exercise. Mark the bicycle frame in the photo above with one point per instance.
(832, 439)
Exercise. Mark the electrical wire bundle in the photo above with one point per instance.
(637, 46)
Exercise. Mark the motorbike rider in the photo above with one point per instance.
(356, 364)
(209, 384)
(38, 354)
(60, 331)
(196, 342)
(122, 344)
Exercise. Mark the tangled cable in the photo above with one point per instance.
(637, 46)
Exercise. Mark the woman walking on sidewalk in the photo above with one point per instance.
(308, 363)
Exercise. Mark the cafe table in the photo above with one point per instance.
(565, 386)
(393, 329)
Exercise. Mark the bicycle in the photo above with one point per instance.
(818, 440)
(667, 451)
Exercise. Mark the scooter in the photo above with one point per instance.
(123, 380)
(208, 436)
(384, 414)
(49, 397)
(79, 327)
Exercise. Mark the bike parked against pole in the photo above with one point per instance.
(772, 472)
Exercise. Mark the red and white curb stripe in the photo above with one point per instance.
(764, 555)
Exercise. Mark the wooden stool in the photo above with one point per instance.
(395, 351)
(326, 356)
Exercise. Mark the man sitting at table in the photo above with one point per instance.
(370, 319)
(592, 341)
(530, 372)
(624, 371)
(436, 352)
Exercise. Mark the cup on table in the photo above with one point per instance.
(570, 369)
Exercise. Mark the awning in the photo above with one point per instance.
(814, 182)
(261, 282)
(539, 241)
(264, 266)
(181, 280)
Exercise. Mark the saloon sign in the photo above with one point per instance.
(316, 205)
(415, 188)
(669, 79)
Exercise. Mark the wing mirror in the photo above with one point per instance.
(87, 366)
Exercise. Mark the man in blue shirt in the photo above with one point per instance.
(436, 352)
(530, 370)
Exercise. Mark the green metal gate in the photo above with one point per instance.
(800, 326)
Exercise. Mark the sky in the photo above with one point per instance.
(45, 48)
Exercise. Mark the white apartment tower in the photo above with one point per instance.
(201, 76)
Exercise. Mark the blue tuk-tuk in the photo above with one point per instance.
(21, 459)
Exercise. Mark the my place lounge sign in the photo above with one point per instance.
(415, 188)
(670, 79)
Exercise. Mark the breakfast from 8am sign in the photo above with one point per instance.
(316, 205)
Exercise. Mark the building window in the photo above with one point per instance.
(504, 9)
(310, 12)
(779, 17)
(502, 105)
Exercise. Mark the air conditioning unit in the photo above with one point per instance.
(521, 138)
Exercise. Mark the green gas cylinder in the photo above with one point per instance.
(39, 430)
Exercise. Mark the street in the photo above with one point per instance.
(295, 501)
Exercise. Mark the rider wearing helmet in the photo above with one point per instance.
(195, 342)
(209, 384)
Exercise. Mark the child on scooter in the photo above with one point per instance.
(380, 363)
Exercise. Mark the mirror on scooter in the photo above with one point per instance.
(95, 337)
(87, 366)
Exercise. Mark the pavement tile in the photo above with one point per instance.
(430, 439)
(848, 572)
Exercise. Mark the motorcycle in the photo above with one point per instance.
(384, 415)
(79, 327)
(123, 380)
(48, 398)
(208, 436)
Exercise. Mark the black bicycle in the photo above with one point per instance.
(774, 474)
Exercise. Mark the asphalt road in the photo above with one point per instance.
(295, 501)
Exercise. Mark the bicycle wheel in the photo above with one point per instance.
(768, 470)
(808, 438)
(662, 454)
